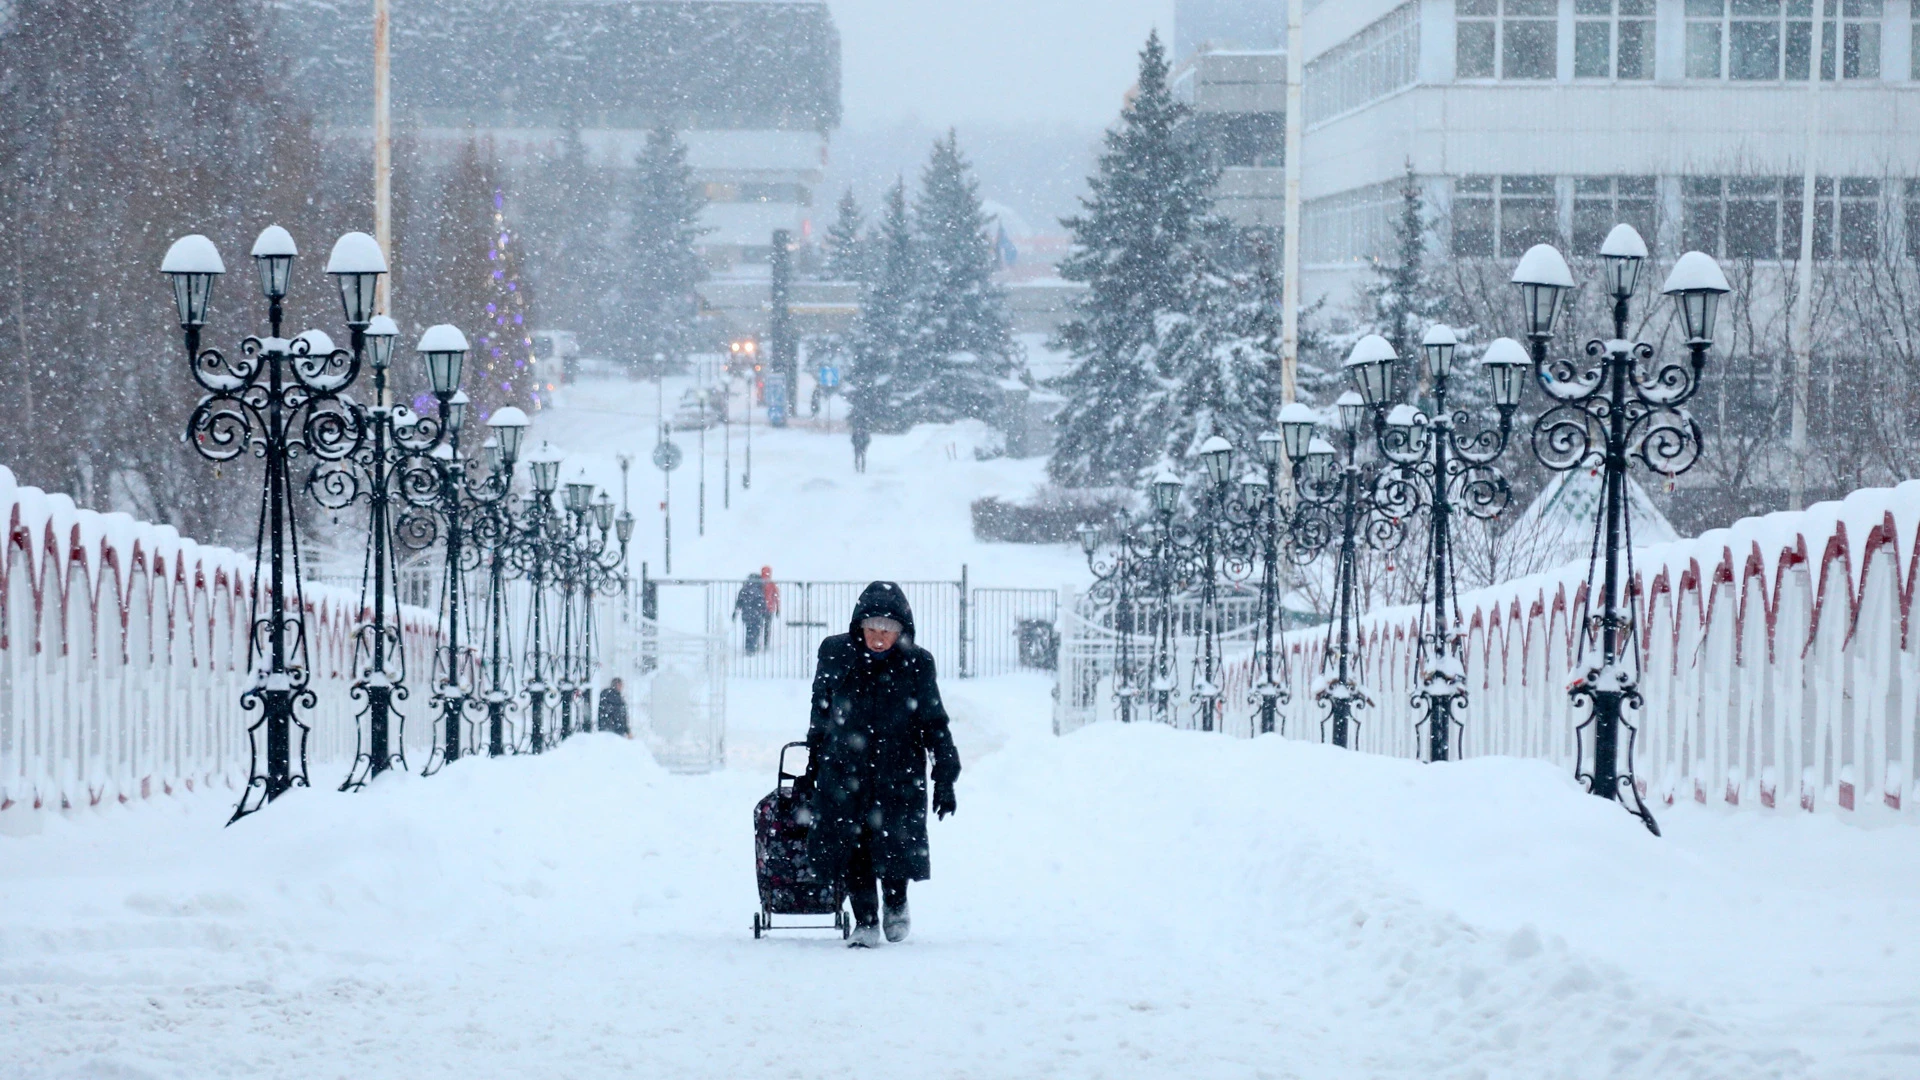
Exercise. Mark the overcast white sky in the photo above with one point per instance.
(991, 62)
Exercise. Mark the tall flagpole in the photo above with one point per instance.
(382, 144)
(1800, 333)
(1290, 240)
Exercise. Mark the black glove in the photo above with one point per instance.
(943, 803)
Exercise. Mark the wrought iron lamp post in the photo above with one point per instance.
(570, 556)
(278, 399)
(393, 467)
(444, 350)
(1443, 464)
(1621, 400)
(1115, 580)
(1164, 573)
(536, 551)
(1349, 501)
(494, 527)
(602, 569)
(1265, 498)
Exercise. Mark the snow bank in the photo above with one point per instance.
(1125, 902)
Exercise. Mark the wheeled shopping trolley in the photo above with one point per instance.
(788, 886)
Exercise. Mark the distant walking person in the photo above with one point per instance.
(862, 438)
(772, 597)
(613, 709)
(876, 718)
(750, 607)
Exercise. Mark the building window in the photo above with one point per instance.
(1759, 217)
(1366, 67)
(1613, 39)
(1503, 216)
(1760, 40)
(1353, 226)
(1601, 202)
(1506, 39)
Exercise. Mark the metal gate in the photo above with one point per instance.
(1012, 630)
(970, 632)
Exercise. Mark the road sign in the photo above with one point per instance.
(776, 400)
(829, 376)
(666, 455)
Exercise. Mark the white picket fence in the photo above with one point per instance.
(123, 656)
(1777, 663)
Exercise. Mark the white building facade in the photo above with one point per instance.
(1550, 120)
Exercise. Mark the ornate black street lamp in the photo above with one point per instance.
(1446, 464)
(278, 399)
(1164, 574)
(1116, 579)
(601, 567)
(494, 528)
(1354, 501)
(535, 552)
(1621, 400)
(1269, 502)
(443, 348)
(391, 469)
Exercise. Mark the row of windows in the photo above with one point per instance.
(1367, 66)
(1614, 39)
(1728, 217)
(1773, 39)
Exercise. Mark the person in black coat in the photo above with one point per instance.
(876, 717)
(750, 607)
(613, 709)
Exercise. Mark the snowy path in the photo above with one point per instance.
(1122, 903)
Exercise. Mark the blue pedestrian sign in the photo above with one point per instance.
(829, 377)
(776, 400)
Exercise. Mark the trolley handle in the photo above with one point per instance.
(786, 776)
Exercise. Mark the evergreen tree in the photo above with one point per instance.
(1403, 300)
(506, 342)
(846, 249)
(663, 266)
(1149, 205)
(882, 335)
(1220, 362)
(962, 333)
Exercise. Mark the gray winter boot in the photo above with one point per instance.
(864, 937)
(896, 921)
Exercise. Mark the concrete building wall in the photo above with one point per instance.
(1570, 132)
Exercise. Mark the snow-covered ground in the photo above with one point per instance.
(807, 513)
(1122, 902)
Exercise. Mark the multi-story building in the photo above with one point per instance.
(1239, 103)
(1550, 120)
(752, 86)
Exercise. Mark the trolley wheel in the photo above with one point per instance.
(756, 926)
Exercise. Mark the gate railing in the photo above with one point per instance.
(970, 632)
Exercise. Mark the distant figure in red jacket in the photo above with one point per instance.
(771, 593)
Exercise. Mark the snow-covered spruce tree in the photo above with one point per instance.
(1219, 359)
(883, 333)
(846, 247)
(1403, 299)
(662, 265)
(962, 335)
(1148, 205)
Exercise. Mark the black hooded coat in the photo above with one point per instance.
(876, 718)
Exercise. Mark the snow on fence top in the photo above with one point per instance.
(1774, 653)
(123, 656)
